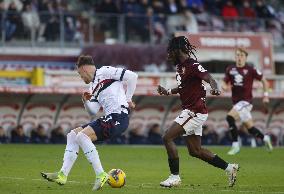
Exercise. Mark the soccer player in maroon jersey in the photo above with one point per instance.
(192, 92)
(240, 77)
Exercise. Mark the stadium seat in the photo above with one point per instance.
(146, 116)
(260, 119)
(9, 116)
(72, 116)
(38, 114)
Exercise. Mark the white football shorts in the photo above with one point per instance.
(244, 109)
(191, 122)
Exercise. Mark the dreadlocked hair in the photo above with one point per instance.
(181, 43)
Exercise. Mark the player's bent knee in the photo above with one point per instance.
(81, 138)
(77, 130)
(166, 138)
(195, 153)
(71, 134)
(230, 119)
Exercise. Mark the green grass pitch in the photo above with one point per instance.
(145, 167)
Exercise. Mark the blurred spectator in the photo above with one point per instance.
(18, 136)
(49, 20)
(264, 10)
(137, 24)
(247, 10)
(158, 12)
(136, 136)
(43, 9)
(39, 135)
(30, 20)
(3, 137)
(209, 136)
(18, 4)
(121, 139)
(190, 22)
(226, 139)
(172, 7)
(245, 137)
(57, 136)
(214, 6)
(108, 21)
(174, 18)
(13, 21)
(2, 10)
(229, 10)
(107, 6)
(196, 6)
(154, 135)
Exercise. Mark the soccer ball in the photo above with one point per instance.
(116, 178)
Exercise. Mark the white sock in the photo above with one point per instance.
(235, 144)
(229, 168)
(90, 152)
(71, 153)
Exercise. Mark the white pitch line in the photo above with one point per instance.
(151, 186)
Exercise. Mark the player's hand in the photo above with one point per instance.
(86, 96)
(162, 91)
(225, 87)
(131, 105)
(215, 92)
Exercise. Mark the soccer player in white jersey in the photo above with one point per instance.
(106, 91)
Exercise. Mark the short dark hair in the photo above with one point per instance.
(85, 60)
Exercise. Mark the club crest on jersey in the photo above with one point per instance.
(245, 71)
(238, 80)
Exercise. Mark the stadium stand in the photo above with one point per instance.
(42, 21)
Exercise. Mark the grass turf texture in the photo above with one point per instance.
(145, 167)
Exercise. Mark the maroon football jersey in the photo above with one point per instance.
(241, 79)
(192, 92)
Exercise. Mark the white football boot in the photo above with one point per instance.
(232, 174)
(172, 181)
(235, 149)
(267, 142)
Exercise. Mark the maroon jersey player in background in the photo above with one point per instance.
(189, 123)
(240, 77)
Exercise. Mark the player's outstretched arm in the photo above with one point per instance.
(124, 75)
(214, 87)
(131, 80)
(225, 86)
(92, 107)
(265, 90)
(163, 91)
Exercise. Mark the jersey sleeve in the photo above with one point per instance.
(227, 75)
(92, 107)
(114, 73)
(257, 74)
(199, 71)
